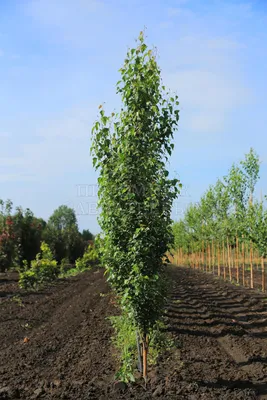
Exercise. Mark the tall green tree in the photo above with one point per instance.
(135, 192)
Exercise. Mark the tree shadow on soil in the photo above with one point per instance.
(259, 388)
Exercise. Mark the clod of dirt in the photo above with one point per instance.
(158, 391)
(37, 393)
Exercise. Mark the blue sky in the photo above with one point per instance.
(59, 59)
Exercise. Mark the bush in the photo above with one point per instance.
(88, 260)
(43, 269)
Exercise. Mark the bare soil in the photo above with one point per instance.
(55, 344)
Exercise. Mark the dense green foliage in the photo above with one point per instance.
(135, 193)
(63, 236)
(21, 234)
(43, 269)
(226, 211)
(89, 259)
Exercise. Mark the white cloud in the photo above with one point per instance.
(165, 24)
(206, 98)
(207, 81)
(203, 89)
(63, 147)
(4, 135)
(224, 44)
(171, 12)
(11, 161)
(59, 12)
(15, 177)
(204, 122)
(72, 21)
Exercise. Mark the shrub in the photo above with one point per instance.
(88, 260)
(65, 265)
(43, 269)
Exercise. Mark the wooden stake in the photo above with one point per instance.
(203, 256)
(213, 257)
(262, 274)
(237, 261)
(145, 351)
(244, 261)
(251, 267)
(224, 266)
(219, 259)
(209, 258)
(229, 260)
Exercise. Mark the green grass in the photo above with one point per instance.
(125, 342)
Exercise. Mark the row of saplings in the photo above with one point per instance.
(45, 269)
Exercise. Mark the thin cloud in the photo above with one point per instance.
(72, 21)
(5, 135)
(16, 177)
(64, 144)
(207, 81)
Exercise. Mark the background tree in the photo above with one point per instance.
(226, 211)
(63, 236)
(87, 235)
(21, 234)
(62, 218)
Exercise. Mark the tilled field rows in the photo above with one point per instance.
(222, 331)
(219, 331)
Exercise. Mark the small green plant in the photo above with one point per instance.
(17, 299)
(160, 342)
(70, 272)
(125, 343)
(88, 260)
(43, 269)
(125, 339)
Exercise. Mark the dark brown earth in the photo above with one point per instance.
(55, 344)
